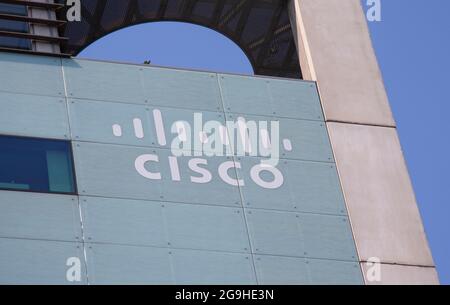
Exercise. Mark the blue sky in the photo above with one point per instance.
(412, 43)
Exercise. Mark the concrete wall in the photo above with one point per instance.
(335, 50)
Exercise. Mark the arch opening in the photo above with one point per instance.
(261, 28)
(171, 44)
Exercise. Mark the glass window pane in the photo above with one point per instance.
(36, 165)
(14, 26)
(13, 9)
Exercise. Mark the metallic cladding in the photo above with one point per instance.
(134, 230)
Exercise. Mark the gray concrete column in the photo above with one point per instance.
(335, 50)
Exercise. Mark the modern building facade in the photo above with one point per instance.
(92, 190)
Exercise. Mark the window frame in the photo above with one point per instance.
(28, 44)
(71, 159)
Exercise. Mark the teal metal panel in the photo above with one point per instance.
(126, 265)
(176, 229)
(309, 139)
(279, 270)
(215, 192)
(308, 187)
(273, 232)
(269, 96)
(33, 116)
(39, 216)
(328, 236)
(331, 272)
(121, 221)
(31, 74)
(206, 267)
(103, 81)
(181, 89)
(301, 235)
(109, 171)
(206, 227)
(38, 262)
(88, 125)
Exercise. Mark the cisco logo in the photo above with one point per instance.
(213, 139)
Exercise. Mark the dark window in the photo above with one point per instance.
(37, 165)
(13, 9)
(14, 26)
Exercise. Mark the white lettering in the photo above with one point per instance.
(255, 173)
(140, 162)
